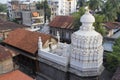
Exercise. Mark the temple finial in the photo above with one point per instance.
(87, 9)
(40, 39)
(40, 43)
(58, 36)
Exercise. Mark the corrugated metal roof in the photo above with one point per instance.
(112, 25)
(62, 22)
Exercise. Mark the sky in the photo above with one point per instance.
(3, 1)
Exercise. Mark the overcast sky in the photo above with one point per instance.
(3, 1)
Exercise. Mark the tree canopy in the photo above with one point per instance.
(113, 59)
(77, 16)
(3, 7)
(44, 6)
(95, 4)
(104, 11)
(109, 8)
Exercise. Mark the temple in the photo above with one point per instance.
(86, 49)
(83, 57)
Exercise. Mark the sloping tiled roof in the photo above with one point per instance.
(6, 53)
(15, 75)
(5, 25)
(112, 25)
(26, 40)
(62, 22)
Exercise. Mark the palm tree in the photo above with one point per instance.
(47, 11)
(77, 16)
(99, 19)
(95, 4)
(111, 9)
(81, 3)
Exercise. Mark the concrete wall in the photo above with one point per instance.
(6, 66)
(26, 16)
(75, 77)
(52, 73)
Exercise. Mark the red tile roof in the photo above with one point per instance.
(15, 75)
(5, 25)
(62, 22)
(6, 53)
(26, 40)
(112, 25)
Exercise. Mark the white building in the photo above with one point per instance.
(86, 49)
(84, 56)
(62, 7)
(66, 7)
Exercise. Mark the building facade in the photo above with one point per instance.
(15, 8)
(63, 25)
(6, 60)
(62, 7)
(66, 7)
(21, 11)
(35, 19)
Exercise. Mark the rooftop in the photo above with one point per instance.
(26, 40)
(5, 25)
(15, 75)
(65, 22)
(112, 25)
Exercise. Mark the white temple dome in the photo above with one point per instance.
(87, 18)
(86, 48)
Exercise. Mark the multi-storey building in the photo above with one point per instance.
(62, 7)
(25, 13)
(15, 8)
(33, 18)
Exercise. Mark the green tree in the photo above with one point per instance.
(99, 19)
(113, 59)
(3, 7)
(77, 16)
(39, 5)
(95, 4)
(47, 11)
(81, 3)
(110, 9)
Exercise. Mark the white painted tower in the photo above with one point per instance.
(86, 49)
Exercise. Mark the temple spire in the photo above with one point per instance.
(87, 9)
(86, 48)
(58, 36)
(40, 43)
(87, 21)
